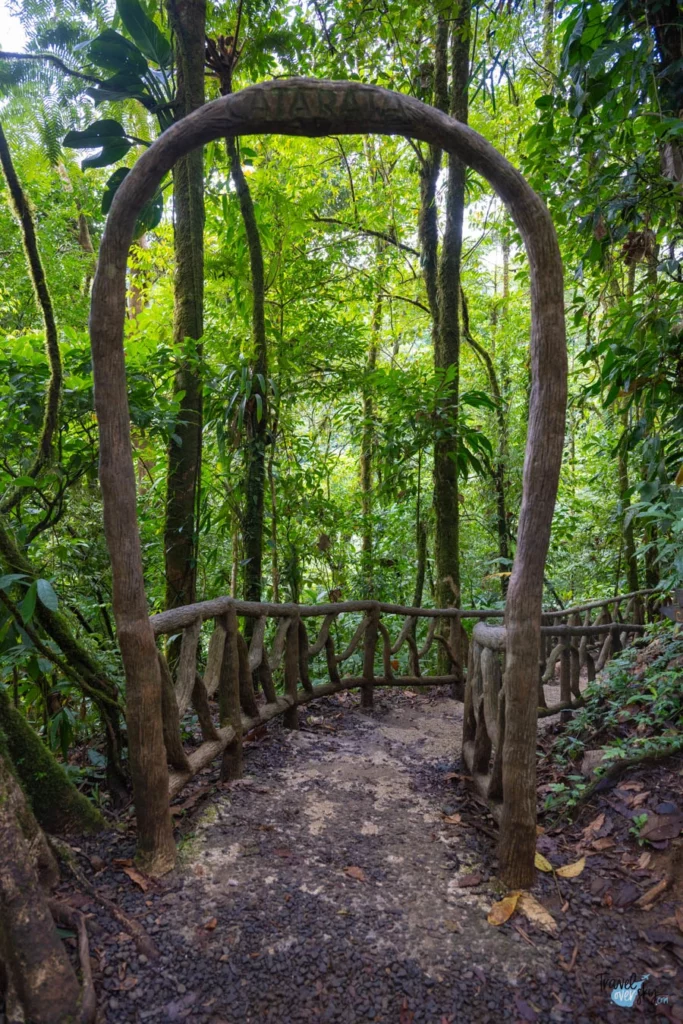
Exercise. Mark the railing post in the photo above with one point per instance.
(367, 697)
(229, 698)
(291, 715)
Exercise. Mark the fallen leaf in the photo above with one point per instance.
(603, 844)
(122, 862)
(541, 863)
(536, 913)
(451, 819)
(409, 693)
(457, 775)
(211, 924)
(572, 870)
(465, 881)
(659, 827)
(594, 827)
(356, 872)
(639, 799)
(539, 830)
(452, 926)
(643, 861)
(678, 912)
(503, 910)
(634, 786)
(282, 852)
(97, 864)
(136, 877)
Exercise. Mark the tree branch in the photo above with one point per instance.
(52, 58)
(360, 230)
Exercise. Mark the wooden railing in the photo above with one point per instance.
(279, 661)
(583, 637)
(246, 684)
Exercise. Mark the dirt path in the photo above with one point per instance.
(327, 886)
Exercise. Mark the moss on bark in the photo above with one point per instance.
(57, 804)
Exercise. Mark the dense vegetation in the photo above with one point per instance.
(304, 426)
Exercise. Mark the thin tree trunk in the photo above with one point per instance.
(549, 38)
(420, 542)
(256, 414)
(187, 21)
(366, 453)
(274, 557)
(24, 216)
(447, 339)
(499, 467)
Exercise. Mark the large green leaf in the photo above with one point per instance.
(114, 52)
(99, 133)
(47, 596)
(145, 34)
(109, 154)
(123, 86)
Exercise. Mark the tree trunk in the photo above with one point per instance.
(256, 413)
(629, 536)
(499, 467)
(366, 453)
(187, 19)
(37, 967)
(447, 338)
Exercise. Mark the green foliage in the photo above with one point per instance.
(634, 709)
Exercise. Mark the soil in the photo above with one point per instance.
(347, 878)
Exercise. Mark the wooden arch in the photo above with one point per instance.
(308, 107)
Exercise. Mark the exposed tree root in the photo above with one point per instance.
(142, 940)
(65, 915)
(617, 768)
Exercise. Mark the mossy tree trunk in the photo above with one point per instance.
(36, 966)
(57, 804)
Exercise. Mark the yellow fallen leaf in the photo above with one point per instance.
(679, 477)
(503, 910)
(541, 863)
(572, 870)
(536, 913)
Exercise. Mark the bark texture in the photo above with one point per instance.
(313, 108)
(187, 20)
(256, 414)
(40, 975)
